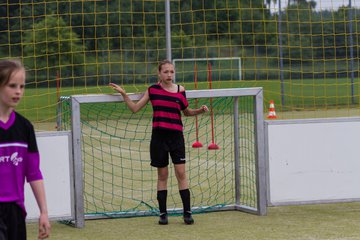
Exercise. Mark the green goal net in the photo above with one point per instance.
(112, 172)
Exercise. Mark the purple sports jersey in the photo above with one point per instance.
(19, 158)
(167, 107)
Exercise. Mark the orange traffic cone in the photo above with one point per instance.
(272, 113)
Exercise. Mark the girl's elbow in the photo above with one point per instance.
(132, 109)
(135, 109)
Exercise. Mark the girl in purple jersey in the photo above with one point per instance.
(168, 100)
(19, 158)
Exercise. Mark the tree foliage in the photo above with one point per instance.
(60, 33)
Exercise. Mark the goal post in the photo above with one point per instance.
(112, 172)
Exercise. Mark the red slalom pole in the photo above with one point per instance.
(58, 99)
(196, 144)
(211, 146)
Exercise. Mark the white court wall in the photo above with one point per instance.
(312, 161)
(55, 164)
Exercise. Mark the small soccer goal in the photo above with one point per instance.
(112, 173)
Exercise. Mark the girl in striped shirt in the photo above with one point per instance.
(168, 100)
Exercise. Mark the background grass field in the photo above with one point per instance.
(307, 222)
(331, 94)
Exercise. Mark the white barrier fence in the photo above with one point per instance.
(313, 161)
(55, 163)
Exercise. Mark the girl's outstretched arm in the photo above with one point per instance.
(133, 106)
(194, 112)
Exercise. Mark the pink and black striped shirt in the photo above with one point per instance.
(167, 107)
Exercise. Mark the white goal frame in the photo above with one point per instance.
(236, 93)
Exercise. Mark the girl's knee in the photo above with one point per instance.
(181, 176)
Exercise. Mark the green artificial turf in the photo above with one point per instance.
(320, 221)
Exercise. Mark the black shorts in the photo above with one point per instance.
(165, 142)
(12, 221)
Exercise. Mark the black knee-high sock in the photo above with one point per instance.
(161, 197)
(185, 197)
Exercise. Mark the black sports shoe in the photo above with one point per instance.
(188, 218)
(163, 220)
